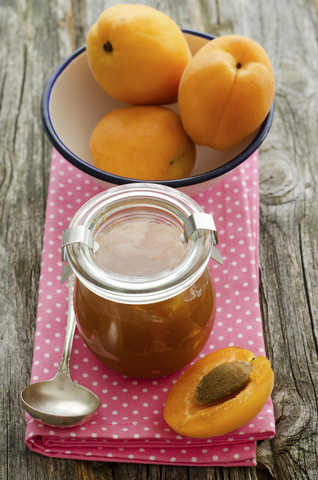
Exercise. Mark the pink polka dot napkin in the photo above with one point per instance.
(129, 425)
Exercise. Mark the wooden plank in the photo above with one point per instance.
(36, 36)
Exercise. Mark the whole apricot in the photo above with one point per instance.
(144, 143)
(226, 91)
(137, 54)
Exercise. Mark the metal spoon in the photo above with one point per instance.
(60, 402)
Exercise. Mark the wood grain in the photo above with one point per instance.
(36, 35)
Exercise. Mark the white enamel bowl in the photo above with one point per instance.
(73, 103)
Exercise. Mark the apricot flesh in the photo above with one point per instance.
(226, 91)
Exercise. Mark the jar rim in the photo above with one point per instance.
(134, 289)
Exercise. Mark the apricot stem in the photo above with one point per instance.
(108, 47)
(238, 65)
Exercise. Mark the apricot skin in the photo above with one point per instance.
(144, 143)
(226, 91)
(137, 54)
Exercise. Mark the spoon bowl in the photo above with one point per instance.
(60, 402)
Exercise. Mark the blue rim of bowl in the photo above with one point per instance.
(117, 180)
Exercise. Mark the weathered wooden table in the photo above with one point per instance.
(35, 37)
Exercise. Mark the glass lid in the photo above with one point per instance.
(139, 243)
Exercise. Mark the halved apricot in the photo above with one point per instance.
(184, 415)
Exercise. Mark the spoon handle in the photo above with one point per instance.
(70, 329)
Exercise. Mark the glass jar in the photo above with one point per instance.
(143, 297)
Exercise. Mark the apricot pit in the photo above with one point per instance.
(223, 380)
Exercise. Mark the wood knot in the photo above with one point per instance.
(278, 181)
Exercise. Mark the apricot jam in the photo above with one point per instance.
(143, 299)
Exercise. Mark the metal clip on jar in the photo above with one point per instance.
(144, 300)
